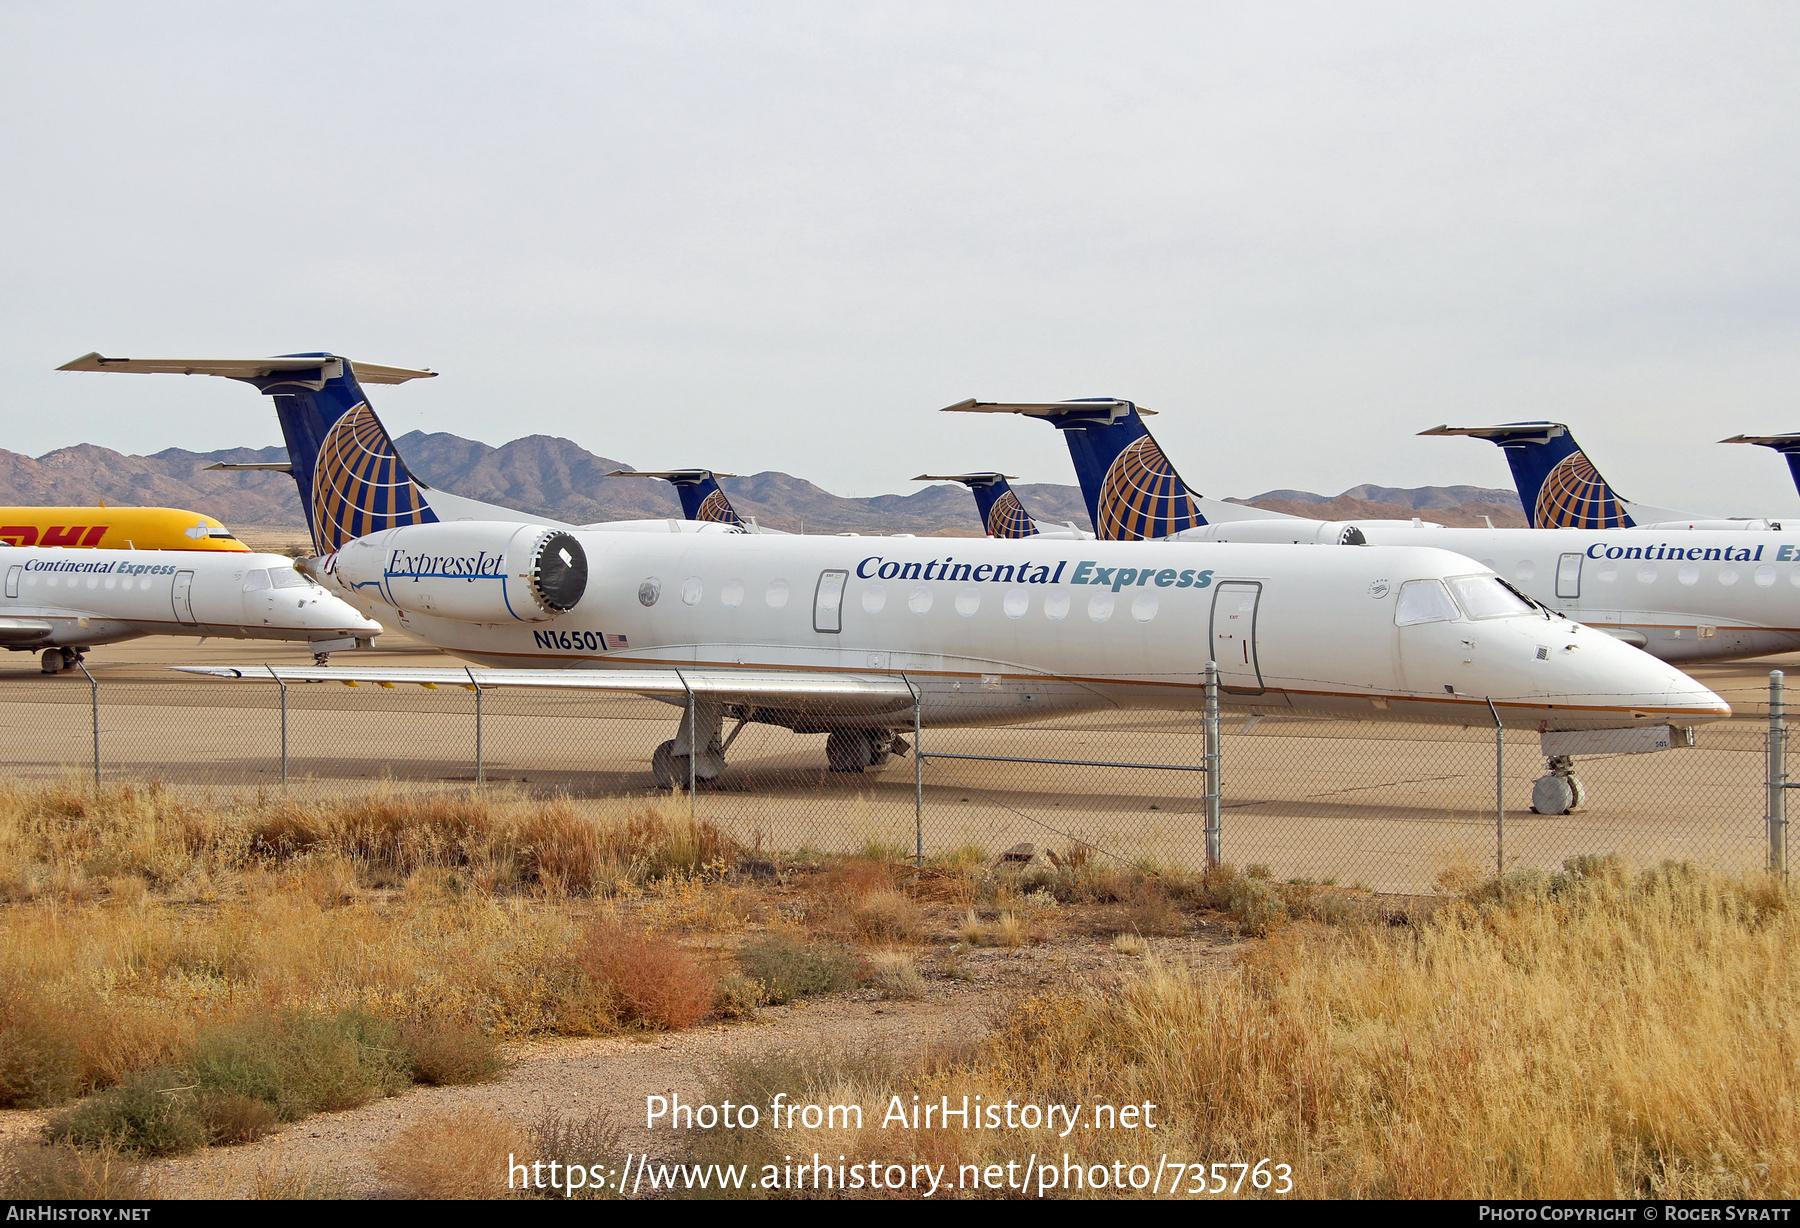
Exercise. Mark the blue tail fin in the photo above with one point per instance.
(701, 498)
(1002, 515)
(352, 481)
(1787, 445)
(1132, 491)
(1558, 485)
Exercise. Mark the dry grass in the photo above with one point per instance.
(896, 975)
(465, 1153)
(633, 978)
(1555, 1037)
(34, 1172)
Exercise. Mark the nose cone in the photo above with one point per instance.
(329, 613)
(1653, 690)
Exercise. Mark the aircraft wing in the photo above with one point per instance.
(763, 688)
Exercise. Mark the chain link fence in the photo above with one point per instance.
(1392, 807)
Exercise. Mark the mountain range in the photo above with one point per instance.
(554, 477)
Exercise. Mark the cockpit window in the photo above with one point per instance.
(256, 579)
(221, 533)
(1423, 601)
(289, 579)
(1489, 597)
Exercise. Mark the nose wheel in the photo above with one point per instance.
(1559, 792)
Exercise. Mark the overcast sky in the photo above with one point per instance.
(781, 236)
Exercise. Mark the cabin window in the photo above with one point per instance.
(1489, 597)
(256, 579)
(1423, 601)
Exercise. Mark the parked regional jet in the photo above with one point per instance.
(1682, 595)
(855, 638)
(1561, 489)
(1002, 515)
(64, 602)
(115, 528)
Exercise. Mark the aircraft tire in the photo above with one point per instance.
(849, 750)
(1557, 793)
(52, 661)
(671, 769)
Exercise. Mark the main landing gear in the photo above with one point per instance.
(1559, 792)
(862, 750)
(61, 660)
(846, 750)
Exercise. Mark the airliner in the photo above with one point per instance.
(1560, 488)
(1680, 594)
(855, 638)
(1002, 515)
(64, 602)
(115, 528)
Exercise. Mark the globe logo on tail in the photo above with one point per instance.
(359, 484)
(1008, 518)
(1142, 497)
(1575, 496)
(716, 509)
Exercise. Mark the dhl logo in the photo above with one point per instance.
(53, 535)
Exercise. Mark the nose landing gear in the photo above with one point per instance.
(1560, 792)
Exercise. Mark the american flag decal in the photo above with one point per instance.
(612, 641)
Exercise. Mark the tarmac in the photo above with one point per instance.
(1391, 807)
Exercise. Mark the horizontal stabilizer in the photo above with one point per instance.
(1517, 432)
(239, 368)
(967, 478)
(669, 475)
(1041, 409)
(1781, 443)
(270, 466)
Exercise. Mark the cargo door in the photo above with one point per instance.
(828, 601)
(182, 594)
(1234, 636)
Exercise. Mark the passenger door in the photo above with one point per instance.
(828, 601)
(1568, 577)
(12, 579)
(1234, 636)
(181, 595)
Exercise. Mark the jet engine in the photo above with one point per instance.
(470, 571)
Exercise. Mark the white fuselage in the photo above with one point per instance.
(1001, 631)
(1681, 595)
(59, 598)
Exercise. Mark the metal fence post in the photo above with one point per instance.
(480, 775)
(918, 777)
(1499, 792)
(284, 725)
(1214, 852)
(693, 744)
(94, 694)
(1777, 775)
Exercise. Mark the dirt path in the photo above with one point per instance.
(337, 1154)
